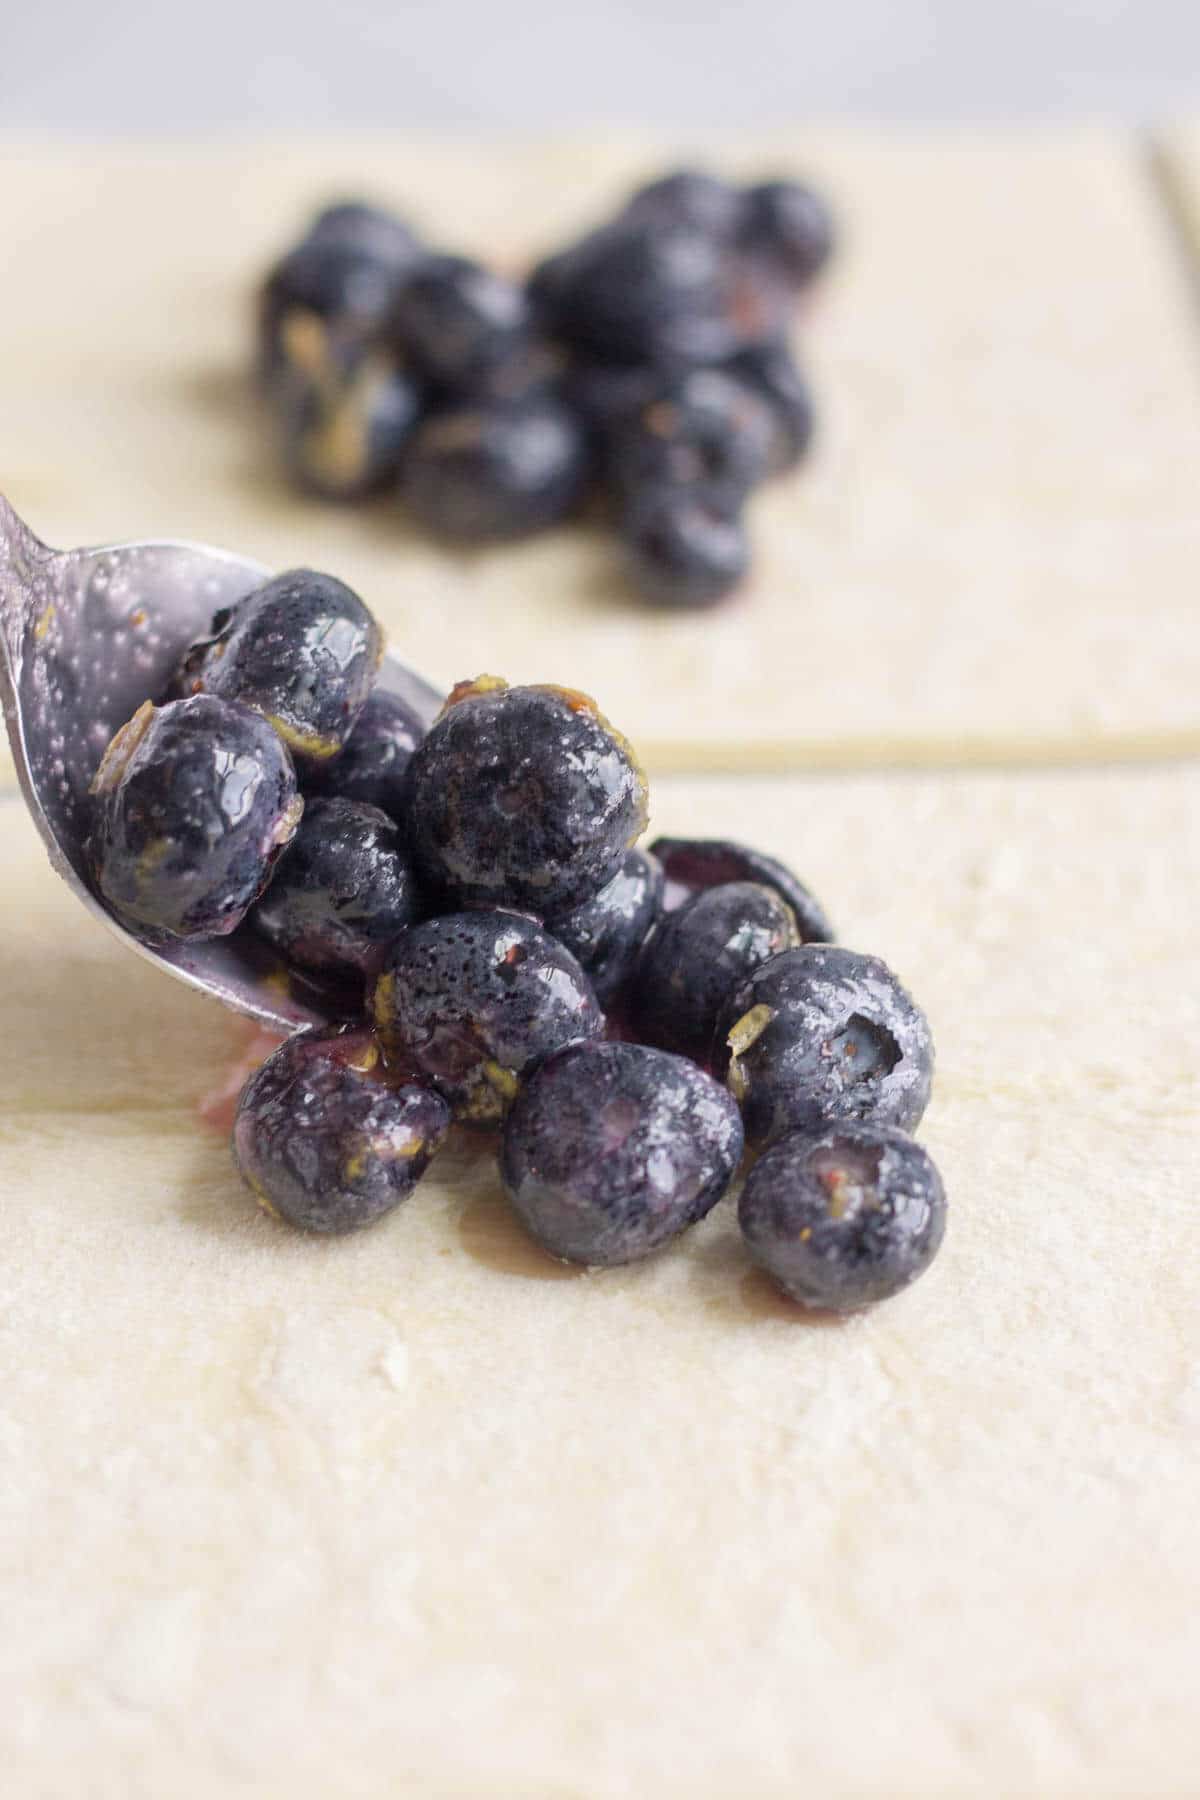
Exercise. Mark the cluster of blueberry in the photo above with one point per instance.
(649, 359)
(628, 1021)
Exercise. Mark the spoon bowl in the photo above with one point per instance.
(85, 637)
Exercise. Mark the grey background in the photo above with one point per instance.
(522, 64)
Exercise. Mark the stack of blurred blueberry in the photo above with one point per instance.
(649, 360)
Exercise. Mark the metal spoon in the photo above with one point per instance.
(85, 637)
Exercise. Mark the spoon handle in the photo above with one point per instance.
(23, 572)
(27, 585)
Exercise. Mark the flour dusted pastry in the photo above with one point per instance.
(978, 562)
(423, 1503)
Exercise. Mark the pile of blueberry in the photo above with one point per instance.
(625, 1022)
(648, 361)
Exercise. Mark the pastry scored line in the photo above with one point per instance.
(786, 757)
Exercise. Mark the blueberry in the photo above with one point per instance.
(371, 767)
(640, 290)
(341, 893)
(845, 1218)
(501, 470)
(819, 1035)
(606, 933)
(685, 546)
(688, 197)
(522, 797)
(535, 370)
(791, 226)
(342, 414)
(357, 224)
(606, 394)
(459, 322)
(193, 803)
(691, 864)
(612, 1149)
(549, 284)
(705, 427)
(327, 1138)
(699, 955)
(770, 371)
(474, 1000)
(302, 650)
(341, 288)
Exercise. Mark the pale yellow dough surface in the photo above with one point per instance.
(992, 555)
(423, 1513)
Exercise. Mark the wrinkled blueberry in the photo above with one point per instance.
(371, 767)
(789, 225)
(193, 803)
(771, 371)
(644, 290)
(691, 864)
(688, 197)
(606, 933)
(705, 427)
(302, 650)
(458, 321)
(474, 1000)
(612, 1149)
(820, 1035)
(373, 229)
(685, 547)
(342, 415)
(699, 955)
(845, 1218)
(522, 797)
(341, 893)
(502, 470)
(327, 1138)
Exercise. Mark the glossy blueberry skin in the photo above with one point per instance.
(302, 650)
(820, 1035)
(327, 1138)
(459, 322)
(691, 864)
(499, 470)
(705, 427)
(523, 797)
(789, 225)
(688, 197)
(474, 1000)
(341, 428)
(771, 372)
(685, 547)
(342, 892)
(641, 290)
(193, 803)
(606, 933)
(699, 955)
(612, 1149)
(846, 1218)
(372, 765)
